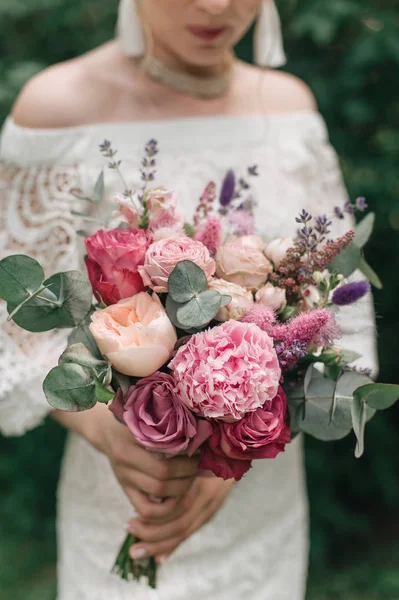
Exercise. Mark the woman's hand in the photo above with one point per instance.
(161, 536)
(140, 472)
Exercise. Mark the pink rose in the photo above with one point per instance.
(242, 261)
(158, 420)
(135, 335)
(276, 250)
(112, 263)
(163, 255)
(226, 371)
(260, 434)
(242, 299)
(272, 296)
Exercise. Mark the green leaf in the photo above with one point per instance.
(189, 229)
(348, 356)
(359, 418)
(186, 281)
(200, 310)
(225, 300)
(103, 393)
(171, 310)
(70, 302)
(82, 334)
(347, 261)
(81, 355)
(315, 420)
(99, 188)
(70, 387)
(20, 277)
(345, 387)
(364, 229)
(370, 274)
(379, 396)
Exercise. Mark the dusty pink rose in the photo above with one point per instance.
(163, 255)
(242, 261)
(158, 420)
(135, 335)
(259, 434)
(242, 299)
(272, 296)
(226, 371)
(276, 250)
(112, 262)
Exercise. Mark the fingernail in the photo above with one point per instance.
(137, 552)
(161, 559)
(131, 529)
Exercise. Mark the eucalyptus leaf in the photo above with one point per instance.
(370, 274)
(70, 387)
(171, 310)
(348, 356)
(359, 418)
(99, 188)
(316, 419)
(186, 281)
(70, 302)
(82, 334)
(379, 396)
(364, 229)
(200, 310)
(103, 393)
(20, 277)
(81, 355)
(347, 261)
(345, 388)
(225, 300)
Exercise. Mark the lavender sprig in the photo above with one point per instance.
(108, 152)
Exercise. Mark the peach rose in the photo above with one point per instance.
(135, 334)
(272, 296)
(276, 250)
(242, 299)
(242, 261)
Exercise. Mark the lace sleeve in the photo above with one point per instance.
(357, 321)
(35, 219)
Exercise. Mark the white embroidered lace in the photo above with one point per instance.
(256, 546)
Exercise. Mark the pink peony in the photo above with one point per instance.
(241, 261)
(158, 420)
(114, 256)
(226, 371)
(241, 299)
(259, 434)
(163, 255)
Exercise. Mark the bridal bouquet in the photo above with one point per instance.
(203, 338)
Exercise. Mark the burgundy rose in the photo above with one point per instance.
(112, 262)
(158, 420)
(259, 434)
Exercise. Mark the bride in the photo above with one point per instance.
(170, 75)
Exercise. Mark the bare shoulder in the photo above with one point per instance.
(282, 92)
(61, 95)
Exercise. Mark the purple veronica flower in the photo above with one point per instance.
(228, 188)
(349, 208)
(350, 293)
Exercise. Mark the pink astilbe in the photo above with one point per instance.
(209, 233)
(314, 327)
(263, 316)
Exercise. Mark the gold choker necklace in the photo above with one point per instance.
(205, 87)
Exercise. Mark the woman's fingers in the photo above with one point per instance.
(152, 486)
(152, 511)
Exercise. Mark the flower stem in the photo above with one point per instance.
(129, 569)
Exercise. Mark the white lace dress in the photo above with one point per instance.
(256, 546)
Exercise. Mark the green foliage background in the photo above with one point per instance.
(348, 52)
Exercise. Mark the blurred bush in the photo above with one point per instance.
(348, 52)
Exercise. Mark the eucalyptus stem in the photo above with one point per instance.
(130, 569)
(31, 296)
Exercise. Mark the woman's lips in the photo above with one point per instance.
(206, 33)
